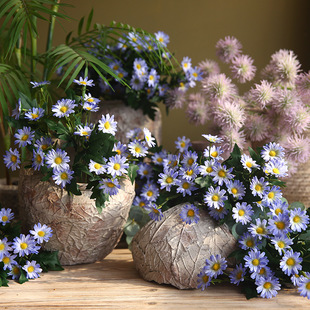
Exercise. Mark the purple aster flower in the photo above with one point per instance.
(248, 162)
(39, 84)
(24, 136)
(259, 228)
(258, 186)
(227, 49)
(236, 189)
(15, 272)
(264, 272)
(248, 241)
(84, 82)
(153, 78)
(25, 245)
(63, 177)
(290, 262)
(213, 138)
(63, 108)
(215, 197)
(162, 37)
(255, 260)
(34, 114)
(281, 243)
(186, 64)
(38, 159)
(237, 275)
(279, 224)
(150, 141)
(242, 213)
(58, 160)
(272, 195)
(155, 212)
(277, 208)
(137, 148)
(277, 167)
(120, 148)
(218, 214)
(84, 130)
(109, 186)
(214, 152)
(190, 214)
(5, 247)
(41, 232)
(185, 186)
(221, 174)
(16, 112)
(182, 144)
(167, 178)
(299, 219)
(9, 261)
(194, 74)
(117, 165)
(33, 269)
(189, 173)
(145, 170)
(107, 124)
(242, 68)
(150, 192)
(43, 143)
(207, 168)
(215, 265)
(268, 287)
(203, 279)
(189, 158)
(158, 158)
(12, 159)
(304, 286)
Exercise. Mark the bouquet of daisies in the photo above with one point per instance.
(244, 192)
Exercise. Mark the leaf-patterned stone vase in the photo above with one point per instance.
(80, 233)
(172, 252)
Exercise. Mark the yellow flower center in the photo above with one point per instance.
(137, 149)
(205, 278)
(141, 204)
(169, 180)
(182, 144)
(84, 133)
(185, 65)
(13, 158)
(189, 172)
(221, 173)
(63, 109)
(248, 164)
(308, 286)
(281, 244)
(159, 159)
(234, 190)
(277, 211)
(15, 270)
(23, 246)
(290, 261)
(296, 219)
(38, 158)
(258, 187)
(120, 75)
(58, 160)
(90, 100)
(41, 233)
(30, 269)
(25, 137)
(107, 125)
(241, 212)
(1, 246)
(4, 218)
(215, 197)
(195, 74)
(271, 195)
(115, 67)
(190, 213)
(97, 166)
(190, 161)
(185, 185)
(145, 172)
(64, 176)
(118, 152)
(267, 285)
(216, 267)
(214, 154)
(249, 243)
(151, 77)
(260, 230)
(275, 171)
(138, 66)
(44, 147)
(155, 211)
(83, 82)
(209, 169)
(280, 225)
(6, 260)
(149, 193)
(255, 262)
(34, 116)
(272, 153)
(239, 275)
(110, 184)
(117, 166)
(262, 271)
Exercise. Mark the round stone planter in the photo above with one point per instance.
(80, 233)
(127, 119)
(172, 252)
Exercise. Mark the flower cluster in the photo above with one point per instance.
(242, 191)
(20, 255)
(147, 66)
(276, 108)
(63, 143)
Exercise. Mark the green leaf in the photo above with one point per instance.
(305, 236)
(297, 205)
(73, 188)
(22, 279)
(132, 172)
(131, 228)
(49, 261)
(204, 181)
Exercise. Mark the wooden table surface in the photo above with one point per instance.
(115, 284)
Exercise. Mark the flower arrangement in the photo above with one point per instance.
(150, 70)
(275, 108)
(243, 192)
(61, 142)
(21, 255)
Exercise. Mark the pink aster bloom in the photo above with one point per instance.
(230, 138)
(175, 98)
(262, 93)
(218, 87)
(298, 119)
(297, 149)
(198, 111)
(242, 68)
(209, 67)
(229, 114)
(227, 49)
(257, 127)
(303, 84)
(284, 100)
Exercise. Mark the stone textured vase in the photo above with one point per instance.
(172, 252)
(80, 233)
(127, 119)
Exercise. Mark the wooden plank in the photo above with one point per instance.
(115, 284)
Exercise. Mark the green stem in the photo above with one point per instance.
(34, 49)
(18, 52)
(50, 37)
